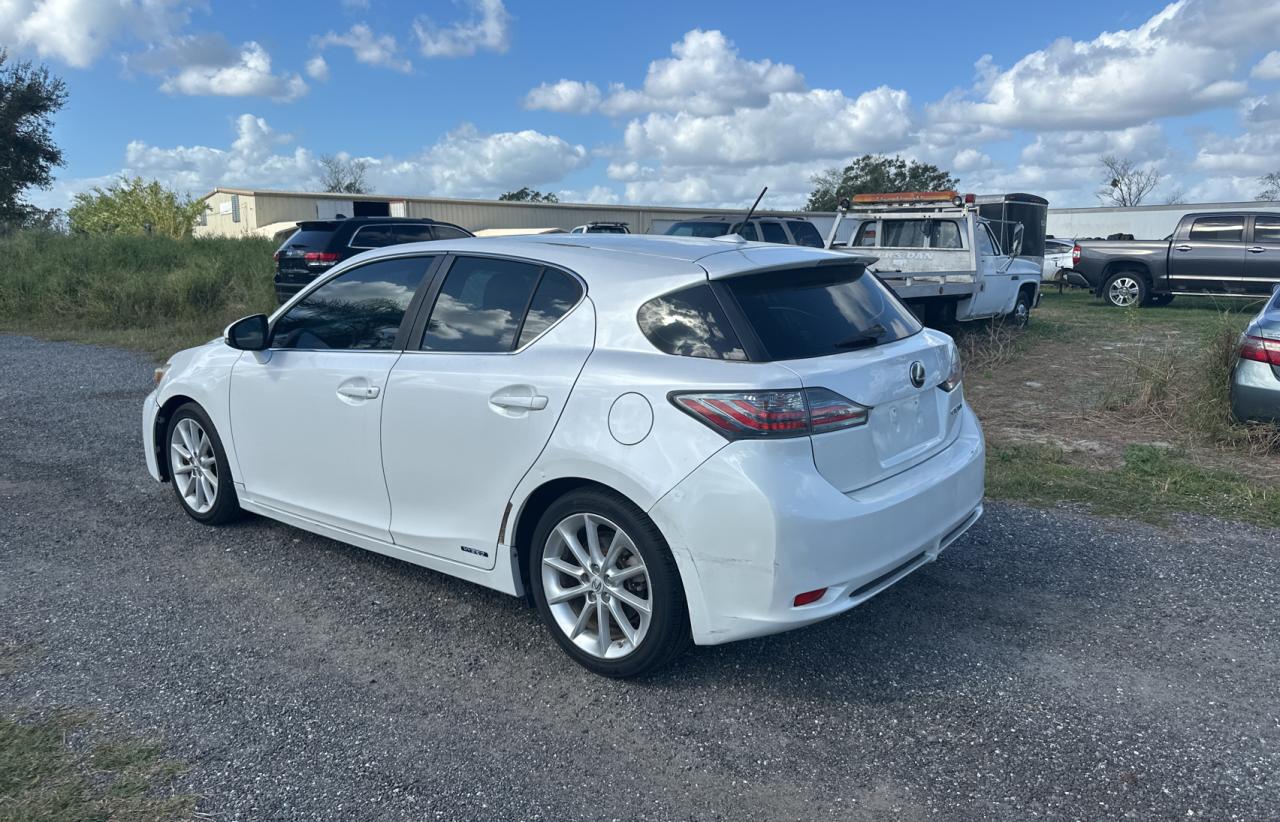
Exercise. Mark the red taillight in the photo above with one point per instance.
(772, 414)
(809, 597)
(970, 199)
(320, 258)
(1075, 254)
(1260, 350)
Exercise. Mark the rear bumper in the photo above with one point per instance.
(151, 409)
(1255, 392)
(1077, 279)
(758, 525)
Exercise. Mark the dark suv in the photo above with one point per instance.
(319, 245)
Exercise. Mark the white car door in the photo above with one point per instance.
(995, 294)
(475, 397)
(305, 414)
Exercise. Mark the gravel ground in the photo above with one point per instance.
(1050, 664)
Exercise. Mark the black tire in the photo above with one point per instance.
(226, 506)
(1125, 289)
(668, 632)
(1161, 299)
(1020, 317)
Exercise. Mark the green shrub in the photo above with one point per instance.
(155, 291)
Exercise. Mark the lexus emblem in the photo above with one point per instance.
(917, 374)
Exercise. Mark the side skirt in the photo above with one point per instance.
(489, 579)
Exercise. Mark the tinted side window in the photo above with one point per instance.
(805, 233)
(557, 292)
(1266, 230)
(903, 234)
(698, 229)
(1218, 229)
(748, 232)
(866, 236)
(411, 233)
(773, 233)
(360, 309)
(690, 323)
(373, 236)
(480, 305)
(448, 232)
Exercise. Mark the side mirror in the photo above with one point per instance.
(248, 334)
(1016, 246)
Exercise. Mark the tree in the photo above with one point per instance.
(876, 174)
(340, 173)
(1125, 183)
(528, 195)
(29, 96)
(1270, 186)
(134, 207)
(1176, 197)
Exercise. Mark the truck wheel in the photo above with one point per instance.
(1021, 314)
(1161, 299)
(1125, 289)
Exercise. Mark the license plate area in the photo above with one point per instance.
(903, 428)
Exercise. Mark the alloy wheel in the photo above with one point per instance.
(194, 465)
(1124, 291)
(597, 586)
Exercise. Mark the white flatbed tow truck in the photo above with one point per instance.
(943, 257)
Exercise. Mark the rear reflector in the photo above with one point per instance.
(809, 597)
(1260, 350)
(772, 414)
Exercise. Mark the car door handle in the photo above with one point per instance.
(358, 392)
(1257, 249)
(1182, 248)
(537, 402)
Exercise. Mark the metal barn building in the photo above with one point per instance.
(1143, 222)
(235, 212)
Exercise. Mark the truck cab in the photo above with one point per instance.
(941, 256)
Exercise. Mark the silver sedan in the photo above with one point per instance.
(1255, 380)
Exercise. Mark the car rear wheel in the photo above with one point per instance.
(607, 586)
(1125, 289)
(198, 468)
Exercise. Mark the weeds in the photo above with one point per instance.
(50, 769)
(156, 293)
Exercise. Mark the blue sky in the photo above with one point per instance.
(680, 103)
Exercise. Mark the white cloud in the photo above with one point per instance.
(368, 48)
(249, 76)
(568, 96)
(1253, 153)
(1268, 68)
(317, 69)
(78, 32)
(706, 76)
(463, 163)
(970, 159)
(600, 195)
(1182, 60)
(487, 30)
(466, 163)
(809, 125)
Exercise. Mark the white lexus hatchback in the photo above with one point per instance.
(657, 439)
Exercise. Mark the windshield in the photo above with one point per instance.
(814, 312)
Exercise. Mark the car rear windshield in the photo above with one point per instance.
(813, 312)
(698, 228)
(306, 237)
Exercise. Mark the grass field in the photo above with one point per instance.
(152, 294)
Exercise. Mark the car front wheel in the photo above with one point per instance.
(607, 586)
(198, 467)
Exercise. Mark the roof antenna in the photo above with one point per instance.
(747, 219)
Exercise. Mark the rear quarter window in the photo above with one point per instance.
(690, 323)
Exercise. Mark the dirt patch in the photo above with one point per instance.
(1075, 380)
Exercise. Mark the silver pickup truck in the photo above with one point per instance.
(1219, 253)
